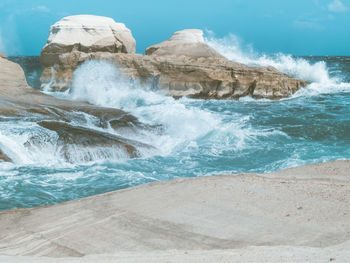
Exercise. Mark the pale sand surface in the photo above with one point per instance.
(249, 254)
(296, 215)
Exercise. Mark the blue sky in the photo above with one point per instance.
(300, 27)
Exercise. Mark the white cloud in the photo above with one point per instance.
(41, 8)
(337, 6)
(305, 24)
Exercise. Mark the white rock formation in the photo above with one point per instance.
(188, 42)
(183, 65)
(296, 215)
(188, 35)
(88, 33)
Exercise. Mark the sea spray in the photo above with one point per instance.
(47, 87)
(27, 143)
(196, 138)
(102, 83)
(233, 48)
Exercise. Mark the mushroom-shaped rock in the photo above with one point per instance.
(188, 42)
(87, 33)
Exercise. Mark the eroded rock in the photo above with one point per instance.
(18, 101)
(87, 33)
(96, 142)
(199, 214)
(181, 66)
(177, 76)
(188, 42)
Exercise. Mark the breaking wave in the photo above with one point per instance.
(191, 137)
(102, 83)
(234, 49)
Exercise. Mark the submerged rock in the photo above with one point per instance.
(4, 157)
(181, 66)
(92, 142)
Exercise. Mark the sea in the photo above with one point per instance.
(197, 138)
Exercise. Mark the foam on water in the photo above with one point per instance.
(27, 143)
(101, 83)
(15, 140)
(196, 138)
(233, 49)
(183, 122)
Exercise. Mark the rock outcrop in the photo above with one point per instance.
(18, 100)
(305, 207)
(181, 66)
(87, 33)
(178, 76)
(12, 80)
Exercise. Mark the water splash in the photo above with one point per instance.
(102, 83)
(234, 49)
(47, 87)
(199, 137)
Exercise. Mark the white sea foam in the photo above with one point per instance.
(27, 143)
(101, 83)
(187, 126)
(15, 138)
(234, 49)
(47, 87)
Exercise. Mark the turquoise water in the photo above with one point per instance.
(199, 137)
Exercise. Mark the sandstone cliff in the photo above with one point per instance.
(181, 66)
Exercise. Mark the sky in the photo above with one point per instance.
(298, 27)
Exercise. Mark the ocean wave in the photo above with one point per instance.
(233, 48)
(101, 83)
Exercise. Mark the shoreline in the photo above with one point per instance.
(301, 213)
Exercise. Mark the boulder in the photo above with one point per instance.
(188, 42)
(87, 33)
(12, 80)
